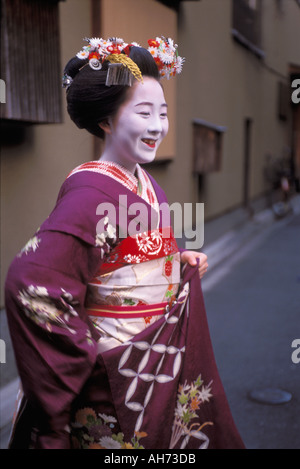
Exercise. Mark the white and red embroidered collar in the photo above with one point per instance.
(114, 170)
(140, 184)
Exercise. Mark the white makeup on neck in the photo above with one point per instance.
(134, 134)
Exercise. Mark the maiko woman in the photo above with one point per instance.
(110, 332)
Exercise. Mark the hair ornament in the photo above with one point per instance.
(122, 69)
(66, 81)
(165, 54)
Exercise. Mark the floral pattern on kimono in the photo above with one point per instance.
(45, 295)
(141, 379)
(92, 431)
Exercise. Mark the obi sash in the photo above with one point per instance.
(139, 278)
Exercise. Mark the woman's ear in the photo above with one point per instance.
(105, 126)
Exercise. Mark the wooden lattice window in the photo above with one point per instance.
(207, 142)
(30, 60)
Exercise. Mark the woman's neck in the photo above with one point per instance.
(131, 167)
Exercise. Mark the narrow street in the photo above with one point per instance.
(253, 308)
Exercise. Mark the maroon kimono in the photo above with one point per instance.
(159, 390)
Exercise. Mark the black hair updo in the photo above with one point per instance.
(90, 101)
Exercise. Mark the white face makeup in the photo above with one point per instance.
(135, 133)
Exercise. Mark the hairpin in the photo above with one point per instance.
(66, 81)
(122, 69)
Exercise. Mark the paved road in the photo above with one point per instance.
(253, 304)
(253, 309)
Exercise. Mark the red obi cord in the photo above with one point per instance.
(116, 311)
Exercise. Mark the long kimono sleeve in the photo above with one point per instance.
(54, 342)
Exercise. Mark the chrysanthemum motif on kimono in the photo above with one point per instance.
(41, 308)
(150, 242)
(186, 423)
(97, 431)
(31, 245)
(154, 241)
(134, 258)
(107, 238)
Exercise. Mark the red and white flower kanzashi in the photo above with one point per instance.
(99, 49)
(165, 54)
(162, 49)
